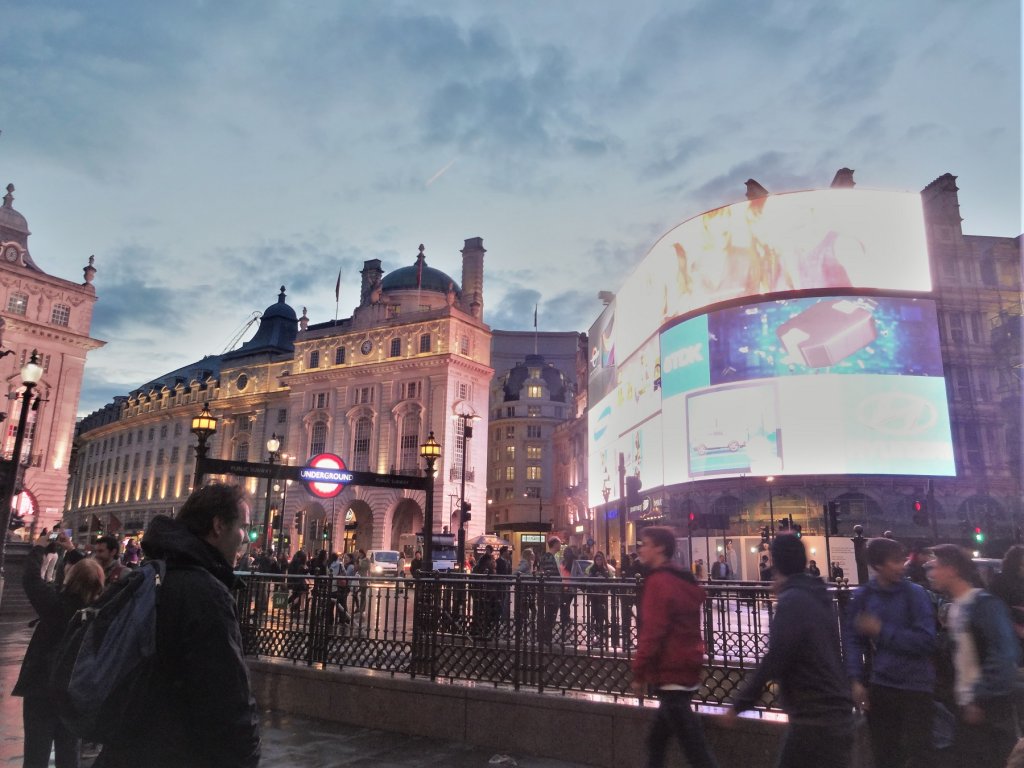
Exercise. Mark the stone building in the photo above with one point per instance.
(369, 388)
(52, 316)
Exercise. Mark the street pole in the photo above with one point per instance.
(429, 451)
(273, 444)
(624, 507)
(771, 510)
(31, 373)
(464, 506)
(606, 491)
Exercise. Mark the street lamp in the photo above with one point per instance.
(465, 419)
(204, 426)
(31, 373)
(771, 508)
(273, 445)
(606, 491)
(430, 451)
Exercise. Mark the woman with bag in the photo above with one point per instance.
(597, 598)
(54, 606)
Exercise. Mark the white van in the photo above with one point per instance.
(383, 562)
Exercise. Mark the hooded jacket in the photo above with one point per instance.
(803, 657)
(670, 650)
(203, 712)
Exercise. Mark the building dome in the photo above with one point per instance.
(559, 389)
(10, 219)
(419, 277)
(276, 334)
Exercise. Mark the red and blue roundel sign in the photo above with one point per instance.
(325, 475)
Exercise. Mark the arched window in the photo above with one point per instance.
(242, 450)
(318, 438)
(409, 449)
(361, 445)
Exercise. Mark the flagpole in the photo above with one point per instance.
(535, 328)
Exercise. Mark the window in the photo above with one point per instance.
(533, 451)
(160, 456)
(396, 347)
(510, 473)
(961, 380)
(510, 432)
(318, 438)
(152, 433)
(972, 445)
(361, 445)
(410, 390)
(425, 342)
(17, 304)
(533, 492)
(242, 450)
(364, 395)
(533, 411)
(60, 315)
(510, 493)
(321, 399)
(535, 391)
(120, 440)
(533, 473)
(282, 415)
(464, 345)
(533, 431)
(510, 453)
(314, 358)
(976, 331)
(244, 425)
(175, 454)
(458, 430)
(956, 327)
(462, 390)
(177, 429)
(135, 461)
(410, 445)
(149, 458)
(163, 431)
(339, 356)
(510, 412)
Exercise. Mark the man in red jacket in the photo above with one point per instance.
(670, 653)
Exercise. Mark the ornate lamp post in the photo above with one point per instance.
(273, 445)
(606, 491)
(31, 373)
(430, 451)
(771, 508)
(204, 426)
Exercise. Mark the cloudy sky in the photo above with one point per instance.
(208, 152)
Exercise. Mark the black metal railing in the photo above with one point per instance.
(571, 636)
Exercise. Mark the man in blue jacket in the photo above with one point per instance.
(985, 657)
(889, 637)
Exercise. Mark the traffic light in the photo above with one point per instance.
(691, 521)
(832, 517)
(798, 530)
(466, 515)
(253, 534)
(633, 491)
(920, 512)
(979, 535)
(785, 524)
(327, 532)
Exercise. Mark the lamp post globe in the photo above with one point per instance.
(204, 426)
(430, 451)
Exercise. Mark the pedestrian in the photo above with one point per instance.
(105, 551)
(297, 582)
(201, 712)
(720, 570)
(699, 571)
(503, 567)
(54, 607)
(765, 569)
(1008, 586)
(132, 553)
(803, 658)
(914, 569)
(526, 563)
(597, 599)
(670, 650)
(837, 572)
(732, 559)
(416, 565)
(552, 589)
(985, 658)
(631, 569)
(813, 569)
(890, 642)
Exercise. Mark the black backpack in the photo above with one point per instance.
(107, 659)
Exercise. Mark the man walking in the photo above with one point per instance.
(202, 711)
(803, 657)
(985, 658)
(670, 650)
(890, 640)
(720, 571)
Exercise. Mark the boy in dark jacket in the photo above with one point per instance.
(670, 650)
(890, 628)
(203, 713)
(803, 657)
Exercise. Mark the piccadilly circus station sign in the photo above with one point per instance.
(325, 475)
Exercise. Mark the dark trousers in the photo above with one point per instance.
(676, 717)
(990, 743)
(900, 724)
(44, 730)
(816, 746)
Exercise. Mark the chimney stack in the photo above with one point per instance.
(473, 276)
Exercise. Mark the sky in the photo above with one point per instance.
(209, 152)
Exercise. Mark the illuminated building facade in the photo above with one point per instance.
(369, 388)
(53, 316)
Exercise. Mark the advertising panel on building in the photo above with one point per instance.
(789, 334)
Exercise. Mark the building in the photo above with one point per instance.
(413, 358)
(884, 456)
(532, 393)
(52, 316)
(573, 514)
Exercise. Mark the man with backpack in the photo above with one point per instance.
(985, 658)
(670, 651)
(199, 708)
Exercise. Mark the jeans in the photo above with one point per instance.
(676, 716)
(44, 730)
(900, 723)
(816, 746)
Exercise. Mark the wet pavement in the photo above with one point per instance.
(287, 740)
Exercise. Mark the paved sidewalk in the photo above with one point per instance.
(288, 741)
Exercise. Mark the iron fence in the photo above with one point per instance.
(574, 635)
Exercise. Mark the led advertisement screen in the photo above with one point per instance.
(826, 385)
(821, 239)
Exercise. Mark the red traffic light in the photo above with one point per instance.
(918, 506)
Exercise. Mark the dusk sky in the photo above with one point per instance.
(209, 152)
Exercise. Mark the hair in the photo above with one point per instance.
(218, 500)
(661, 536)
(529, 554)
(881, 551)
(959, 560)
(85, 581)
(110, 542)
(600, 554)
(1012, 561)
(553, 540)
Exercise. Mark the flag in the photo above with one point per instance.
(535, 315)
(337, 287)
